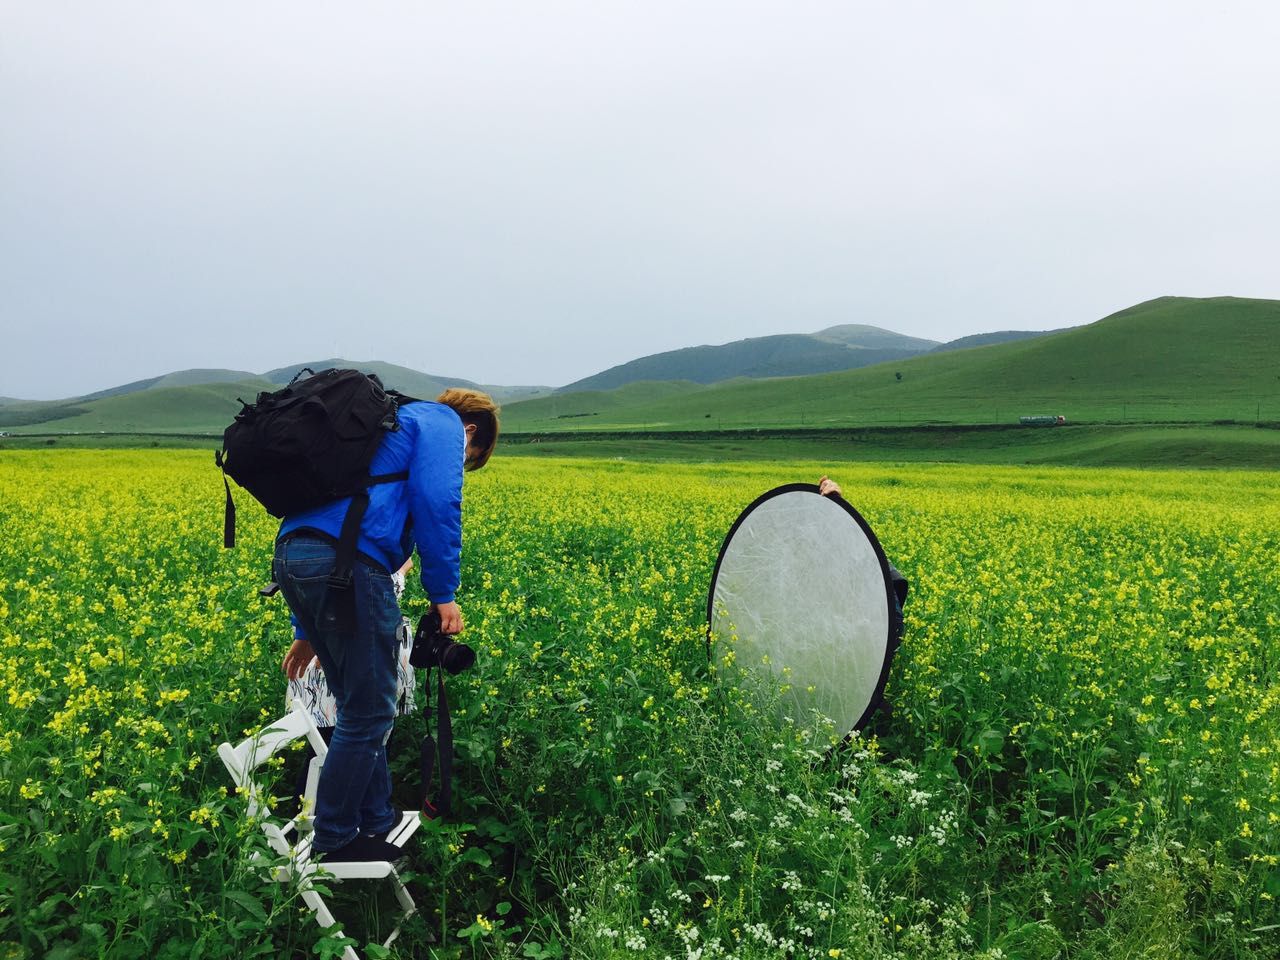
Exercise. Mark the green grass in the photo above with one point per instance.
(109, 441)
(1148, 446)
(1166, 446)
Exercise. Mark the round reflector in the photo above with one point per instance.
(802, 589)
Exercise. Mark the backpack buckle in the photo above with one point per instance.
(340, 580)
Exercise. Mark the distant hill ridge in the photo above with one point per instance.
(393, 376)
(1172, 359)
(204, 399)
(781, 355)
(835, 348)
(424, 386)
(873, 338)
(844, 347)
(988, 339)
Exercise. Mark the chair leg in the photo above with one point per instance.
(405, 900)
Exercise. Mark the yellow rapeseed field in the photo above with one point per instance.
(1083, 757)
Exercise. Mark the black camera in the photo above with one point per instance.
(432, 648)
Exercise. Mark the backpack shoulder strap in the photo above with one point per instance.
(229, 515)
(349, 535)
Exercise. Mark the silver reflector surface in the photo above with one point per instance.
(802, 589)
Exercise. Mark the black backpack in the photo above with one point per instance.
(309, 444)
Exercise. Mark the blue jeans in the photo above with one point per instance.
(353, 633)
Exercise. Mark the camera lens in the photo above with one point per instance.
(456, 657)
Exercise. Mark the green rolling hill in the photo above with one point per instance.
(179, 378)
(867, 337)
(206, 408)
(782, 355)
(987, 339)
(198, 400)
(1168, 361)
(408, 381)
(30, 413)
(587, 409)
(425, 386)
(505, 393)
(1174, 359)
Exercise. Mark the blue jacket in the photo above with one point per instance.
(425, 510)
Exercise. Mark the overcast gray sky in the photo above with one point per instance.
(530, 192)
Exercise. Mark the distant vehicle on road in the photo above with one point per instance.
(1057, 421)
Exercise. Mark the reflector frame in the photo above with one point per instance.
(861, 630)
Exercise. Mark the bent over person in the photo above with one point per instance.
(354, 631)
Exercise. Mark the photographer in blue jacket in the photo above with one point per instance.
(355, 637)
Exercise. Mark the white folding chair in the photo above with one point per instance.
(292, 839)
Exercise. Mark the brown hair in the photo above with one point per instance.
(479, 409)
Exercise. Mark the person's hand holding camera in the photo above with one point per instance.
(450, 618)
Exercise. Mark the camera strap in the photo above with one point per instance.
(443, 749)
